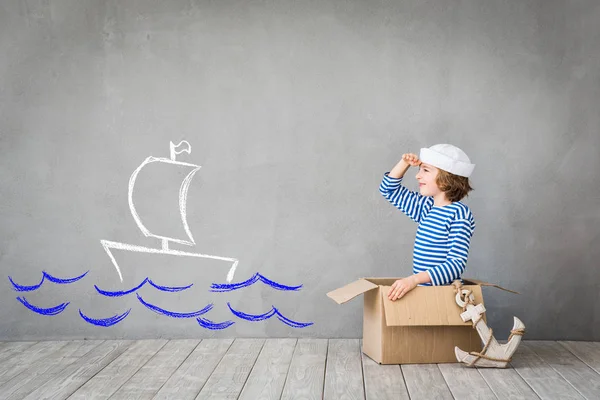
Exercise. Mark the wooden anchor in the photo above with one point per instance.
(494, 354)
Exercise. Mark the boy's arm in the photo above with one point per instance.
(407, 201)
(461, 231)
(399, 169)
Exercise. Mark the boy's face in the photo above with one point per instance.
(426, 177)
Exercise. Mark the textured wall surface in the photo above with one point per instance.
(294, 110)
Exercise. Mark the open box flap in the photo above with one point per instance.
(351, 290)
(483, 283)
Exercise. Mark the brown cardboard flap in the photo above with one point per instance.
(351, 290)
(426, 306)
(383, 281)
(482, 283)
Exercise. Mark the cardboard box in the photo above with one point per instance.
(422, 327)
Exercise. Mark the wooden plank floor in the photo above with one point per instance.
(282, 369)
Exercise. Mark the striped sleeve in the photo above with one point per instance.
(461, 231)
(409, 202)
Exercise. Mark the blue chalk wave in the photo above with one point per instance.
(267, 315)
(145, 281)
(228, 287)
(43, 311)
(106, 322)
(208, 324)
(45, 275)
(173, 314)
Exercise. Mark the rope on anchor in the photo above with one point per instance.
(478, 355)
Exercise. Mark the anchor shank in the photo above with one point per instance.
(482, 329)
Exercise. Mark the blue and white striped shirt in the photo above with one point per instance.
(443, 235)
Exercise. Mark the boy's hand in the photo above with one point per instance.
(411, 159)
(401, 287)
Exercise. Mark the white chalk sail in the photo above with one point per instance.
(164, 163)
(190, 170)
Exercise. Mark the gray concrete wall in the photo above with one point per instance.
(294, 110)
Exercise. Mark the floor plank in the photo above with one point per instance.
(383, 382)
(507, 384)
(425, 381)
(228, 378)
(67, 381)
(343, 373)
(286, 368)
(588, 352)
(542, 378)
(268, 375)
(21, 361)
(584, 379)
(148, 380)
(7, 349)
(306, 375)
(190, 377)
(465, 382)
(109, 380)
(42, 371)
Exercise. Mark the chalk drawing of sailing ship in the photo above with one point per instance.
(113, 248)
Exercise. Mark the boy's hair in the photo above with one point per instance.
(456, 187)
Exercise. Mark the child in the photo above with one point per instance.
(445, 224)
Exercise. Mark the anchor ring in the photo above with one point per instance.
(464, 293)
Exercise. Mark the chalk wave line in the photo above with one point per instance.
(208, 324)
(228, 287)
(43, 311)
(119, 293)
(106, 322)
(267, 315)
(173, 314)
(45, 275)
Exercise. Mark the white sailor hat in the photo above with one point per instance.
(449, 158)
